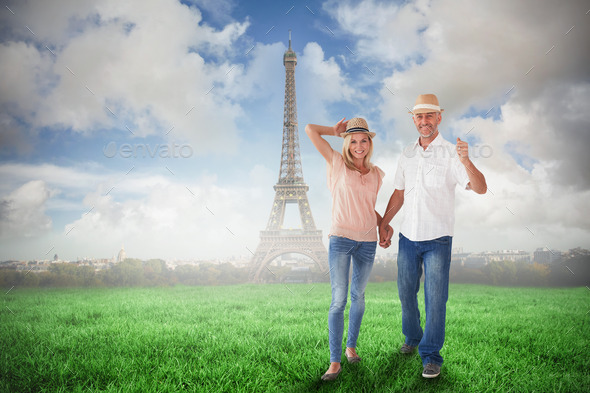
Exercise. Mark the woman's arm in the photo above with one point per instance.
(315, 133)
(386, 234)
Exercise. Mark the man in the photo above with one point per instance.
(427, 173)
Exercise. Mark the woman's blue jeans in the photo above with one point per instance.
(435, 256)
(342, 252)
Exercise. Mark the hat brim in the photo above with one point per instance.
(371, 134)
(424, 110)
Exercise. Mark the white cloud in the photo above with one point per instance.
(523, 61)
(25, 77)
(28, 19)
(22, 212)
(12, 139)
(470, 60)
(58, 177)
(385, 32)
(322, 82)
(173, 220)
(159, 66)
(260, 78)
(151, 68)
(151, 215)
(536, 176)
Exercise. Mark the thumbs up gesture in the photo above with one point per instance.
(462, 150)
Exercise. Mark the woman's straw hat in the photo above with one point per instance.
(426, 103)
(357, 124)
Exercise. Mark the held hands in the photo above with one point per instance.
(385, 235)
(463, 151)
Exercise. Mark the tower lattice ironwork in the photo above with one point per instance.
(290, 188)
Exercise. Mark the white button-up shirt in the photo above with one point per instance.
(428, 178)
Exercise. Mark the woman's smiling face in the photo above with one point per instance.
(359, 145)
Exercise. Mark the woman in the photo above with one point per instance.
(354, 183)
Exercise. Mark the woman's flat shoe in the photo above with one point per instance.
(353, 359)
(331, 376)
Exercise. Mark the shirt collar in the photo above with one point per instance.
(437, 141)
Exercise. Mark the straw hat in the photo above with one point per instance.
(357, 124)
(426, 103)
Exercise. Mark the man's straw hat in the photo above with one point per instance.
(357, 124)
(426, 103)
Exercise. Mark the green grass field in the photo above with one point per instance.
(274, 338)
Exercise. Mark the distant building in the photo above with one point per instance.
(457, 258)
(475, 261)
(483, 258)
(507, 255)
(122, 255)
(546, 256)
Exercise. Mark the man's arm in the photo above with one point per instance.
(395, 203)
(477, 181)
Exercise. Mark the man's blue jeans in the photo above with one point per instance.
(435, 257)
(362, 254)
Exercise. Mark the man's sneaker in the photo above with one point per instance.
(407, 349)
(431, 370)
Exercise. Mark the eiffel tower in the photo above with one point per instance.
(276, 241)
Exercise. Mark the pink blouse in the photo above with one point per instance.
(353, 200)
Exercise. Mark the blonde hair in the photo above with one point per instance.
(348, 159)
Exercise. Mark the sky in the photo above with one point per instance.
(157, 125)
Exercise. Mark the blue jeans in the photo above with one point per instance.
(435, 256)
(362, 254)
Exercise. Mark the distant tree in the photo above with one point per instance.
(500, 272)
(572, 271)
(156, 272)
(127, 273)
(231, 274)
(10, 278)
(31, 280)
(386, 271)
(213, 275)
(63, 275)
(468, 275)
(87, 276)
(187, 274)
(531, 274)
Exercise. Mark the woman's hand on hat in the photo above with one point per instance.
(340, 127)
